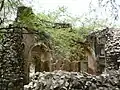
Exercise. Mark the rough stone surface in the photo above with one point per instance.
(61, 80)
(112, 47)
(106, 44)
(11, 61)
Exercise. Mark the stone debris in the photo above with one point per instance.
(62, 80)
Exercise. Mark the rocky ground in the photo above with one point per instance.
(62, 80)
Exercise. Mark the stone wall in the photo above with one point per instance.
(28, 41)
(11, 61)
(61, 80)
(34, 53)
(68, 65)
(106, 45)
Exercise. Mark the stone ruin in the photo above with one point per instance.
(38, 55)
(106, 44)
(24, 53)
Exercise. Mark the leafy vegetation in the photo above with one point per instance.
(63, 44)
(62, 37)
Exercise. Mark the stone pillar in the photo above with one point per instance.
(11, 60)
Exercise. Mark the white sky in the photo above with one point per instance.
(75, 7)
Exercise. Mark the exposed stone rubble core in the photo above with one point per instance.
(61, 80)
(112, 47)
(11, 61)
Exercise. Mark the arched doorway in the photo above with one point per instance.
(39, 59)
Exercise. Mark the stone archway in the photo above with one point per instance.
(39, 59)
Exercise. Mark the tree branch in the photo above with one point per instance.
(2, 4)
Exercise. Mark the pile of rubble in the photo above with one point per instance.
(62, 80)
